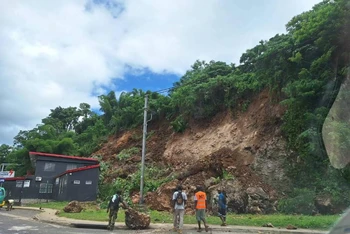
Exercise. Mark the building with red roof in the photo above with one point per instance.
(57, 177)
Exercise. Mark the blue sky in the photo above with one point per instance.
(148, 80)
(62, 53)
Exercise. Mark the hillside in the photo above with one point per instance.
(254, 128)
(247, 145)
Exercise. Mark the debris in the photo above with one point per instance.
(291, 227)
(73, 207)
(268, 225)
(136, 220)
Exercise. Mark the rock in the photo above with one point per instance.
(254, 210)
(136, 220)
(209, 182)
(291, 227)
(237, 205)
(258, 198)
(236, 197)
(268, 225)
(324, 205)
(73, 207)
(269, 162)
(257, 193)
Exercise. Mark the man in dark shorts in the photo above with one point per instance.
(222, 206)
(113, 207)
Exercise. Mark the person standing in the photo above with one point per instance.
(200, 203)
(222, 206)
(113, 207)
(179, 202)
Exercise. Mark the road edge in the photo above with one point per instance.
(48, 215)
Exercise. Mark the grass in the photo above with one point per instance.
(91, 212)
(51, 205)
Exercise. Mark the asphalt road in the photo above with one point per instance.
(22, 222)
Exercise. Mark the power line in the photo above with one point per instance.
(188, 83)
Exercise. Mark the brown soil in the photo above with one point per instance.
(238, 143)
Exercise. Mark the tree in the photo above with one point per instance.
(5, 150)
(63, 119)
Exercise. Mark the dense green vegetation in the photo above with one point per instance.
(302, 69)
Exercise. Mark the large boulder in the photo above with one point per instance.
(259, 201)
(236, 197)
(136, 220)
(73, 207)
(324, 204)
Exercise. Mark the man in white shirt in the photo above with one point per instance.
(179, 203)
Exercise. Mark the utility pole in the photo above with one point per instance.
(143, 148)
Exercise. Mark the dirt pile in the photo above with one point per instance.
(136, 220)
(73, 207)
(224, 169)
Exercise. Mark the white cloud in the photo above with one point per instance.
(165, 36)
(60, 52)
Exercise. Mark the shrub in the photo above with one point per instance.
(179, 124)
(127, 153)
(245, 106)
(300, 202)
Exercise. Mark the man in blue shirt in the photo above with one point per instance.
(222, 206)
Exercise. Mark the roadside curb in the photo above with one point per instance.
(27, 208)
(49, 216)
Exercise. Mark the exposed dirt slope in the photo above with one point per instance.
(243, 152)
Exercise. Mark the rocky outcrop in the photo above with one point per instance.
(252, 200)
(260, 202)
(73, 207)
(269, 163)
(324, 204)
(236, 197)
(136, 220)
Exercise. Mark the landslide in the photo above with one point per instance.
(243, 152)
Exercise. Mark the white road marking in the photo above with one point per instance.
(17, 217)
(55, 226)
(23, 228)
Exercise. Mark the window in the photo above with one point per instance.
(88, 182)
(19, 184)
(49, 166)
(49, 188)
(26, 184)
(76, 182)
(62, 184)
(42, 188)
(45, 188)
(71, 166)
(57, 181)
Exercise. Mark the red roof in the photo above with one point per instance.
(79, 169)
(14, 178)
(62, 156)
